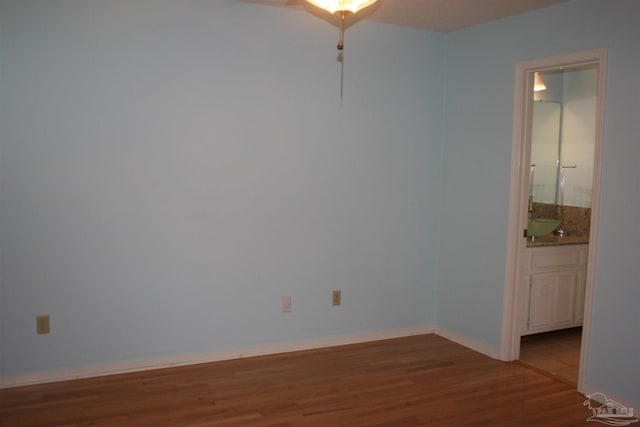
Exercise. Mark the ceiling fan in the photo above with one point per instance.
(370, 6)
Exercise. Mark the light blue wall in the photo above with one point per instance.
(170, 169)
(479, 104)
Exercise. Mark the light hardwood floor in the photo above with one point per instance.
(423, 380)
(556, 353)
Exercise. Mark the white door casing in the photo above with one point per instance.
(518, 196)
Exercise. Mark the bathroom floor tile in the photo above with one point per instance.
(557, 352)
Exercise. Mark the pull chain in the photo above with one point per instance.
(341, 53)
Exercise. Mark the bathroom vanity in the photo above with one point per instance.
(553, 285)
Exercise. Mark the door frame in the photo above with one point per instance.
(519, 193)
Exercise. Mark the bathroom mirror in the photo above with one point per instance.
(563, 137)
(545, 151)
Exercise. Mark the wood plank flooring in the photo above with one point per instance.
(423, 380)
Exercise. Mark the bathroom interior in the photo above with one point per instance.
(559, 213)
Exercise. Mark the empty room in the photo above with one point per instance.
(286, 212)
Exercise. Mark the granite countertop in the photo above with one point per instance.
(551, 240)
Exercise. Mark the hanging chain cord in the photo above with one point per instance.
(343, 14)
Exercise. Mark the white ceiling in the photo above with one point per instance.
(435, 15)
(450, 15)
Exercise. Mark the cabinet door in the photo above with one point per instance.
(541, 300)
(565, 297)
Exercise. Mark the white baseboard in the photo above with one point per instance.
(208, 357)
(478, 346)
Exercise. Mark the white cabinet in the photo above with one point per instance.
(552, 288)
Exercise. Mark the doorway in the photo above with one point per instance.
(519, 256)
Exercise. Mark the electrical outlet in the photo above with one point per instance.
(43, 324)
(336, 297)
(286, 304)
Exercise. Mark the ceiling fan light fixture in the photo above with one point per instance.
(342, 6)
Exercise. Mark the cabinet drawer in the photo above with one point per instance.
(557, 257)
